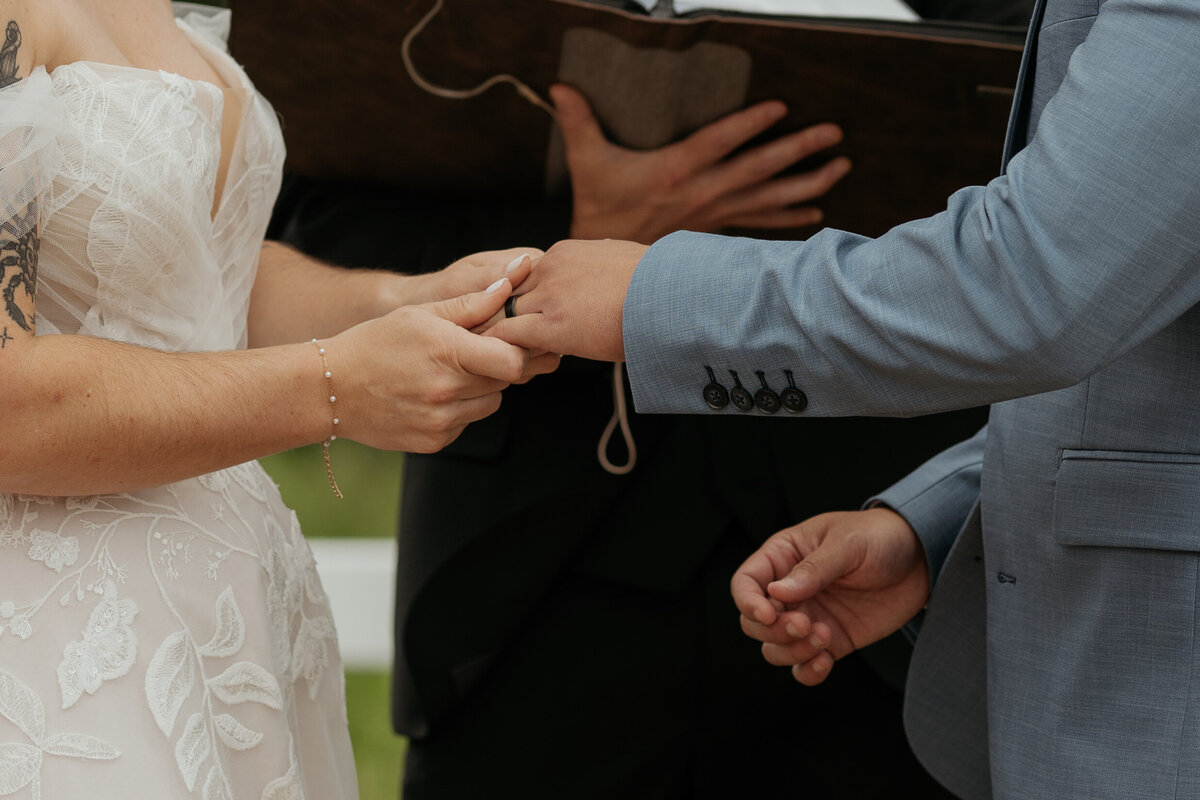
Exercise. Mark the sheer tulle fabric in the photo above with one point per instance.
(173, 642)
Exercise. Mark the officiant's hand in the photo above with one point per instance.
(414, 378)
(816, 591)
(691, 185)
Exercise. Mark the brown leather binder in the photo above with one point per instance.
(923, 105)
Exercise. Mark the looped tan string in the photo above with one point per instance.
(620, 414)
(462, 94)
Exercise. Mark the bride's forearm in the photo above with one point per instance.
(296, 297)
(89, 416)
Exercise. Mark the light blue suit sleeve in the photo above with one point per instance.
(1088, 245)
(938, 496)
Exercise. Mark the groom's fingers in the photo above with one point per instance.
(749, 584)
(814, 671)
(768, 634)
(528, 330)
(540, 364)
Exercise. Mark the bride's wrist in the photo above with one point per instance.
(394, 290)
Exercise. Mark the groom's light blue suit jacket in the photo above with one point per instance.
(1065, 292)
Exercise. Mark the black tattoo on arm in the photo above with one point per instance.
(19, 241)
(8, 54)
(18, 266)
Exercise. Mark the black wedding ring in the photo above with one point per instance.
(510, 307)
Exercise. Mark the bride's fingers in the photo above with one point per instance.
(517, 270)
(490, 357)
(449, 420)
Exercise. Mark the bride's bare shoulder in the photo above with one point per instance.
(30, 36)
(50, 33)
(16, 50)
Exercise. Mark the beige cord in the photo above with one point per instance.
(462, 94)
(620, 416)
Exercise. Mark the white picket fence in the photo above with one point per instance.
(359, 576)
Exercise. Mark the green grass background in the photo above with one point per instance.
(370, 481)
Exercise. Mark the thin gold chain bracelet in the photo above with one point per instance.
(333, 428)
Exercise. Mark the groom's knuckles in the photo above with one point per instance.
(775, 634)
(784, 655)
(755, 608)
(541, 364)
(754, 629)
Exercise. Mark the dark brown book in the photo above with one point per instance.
(923, 105)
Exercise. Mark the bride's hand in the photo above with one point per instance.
(472, 273)
(414, 378)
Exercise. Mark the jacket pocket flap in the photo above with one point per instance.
(1106, 498)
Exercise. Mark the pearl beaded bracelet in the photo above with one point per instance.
(333, 429)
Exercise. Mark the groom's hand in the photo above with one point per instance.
(572, 302)
(819, 590)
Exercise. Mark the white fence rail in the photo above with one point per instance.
(359, 576)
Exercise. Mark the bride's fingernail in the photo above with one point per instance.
(495, 286)
(516, 262)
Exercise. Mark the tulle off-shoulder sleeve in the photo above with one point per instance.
(31, 119)
(211, 24)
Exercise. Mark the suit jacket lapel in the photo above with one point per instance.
(1018, 119)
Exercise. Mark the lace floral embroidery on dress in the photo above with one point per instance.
(106, 652)
(171, 624)
(21, 762)
(53, 550)
(192, 694)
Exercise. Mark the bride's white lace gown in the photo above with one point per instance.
(173, 642)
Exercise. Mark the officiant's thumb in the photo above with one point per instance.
(472, 310)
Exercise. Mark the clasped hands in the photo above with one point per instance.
(572, 302)
(625, 199)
